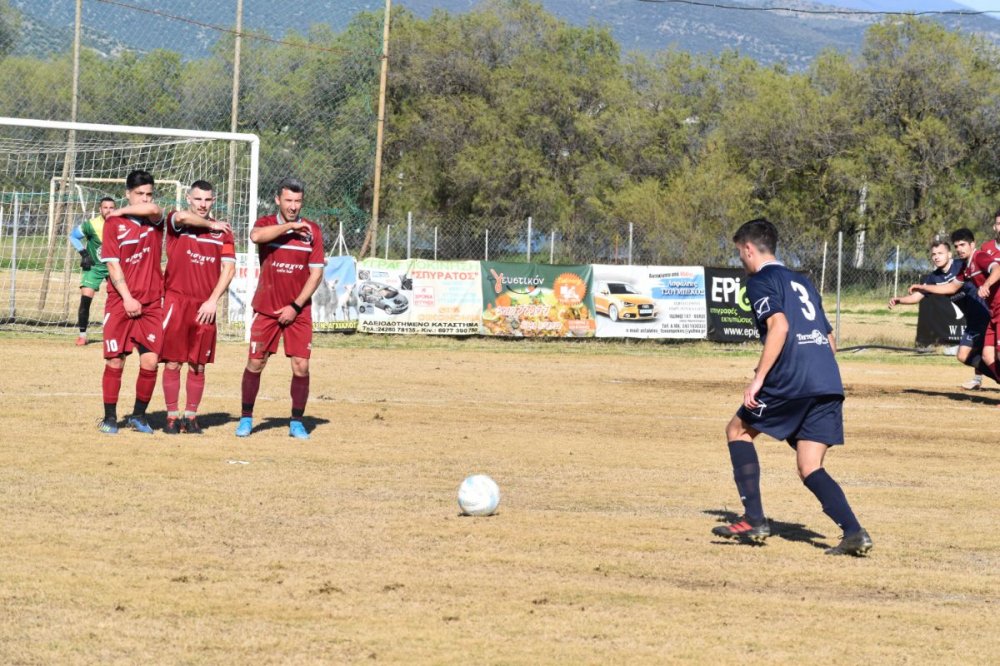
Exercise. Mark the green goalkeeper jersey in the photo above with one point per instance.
(93, 232)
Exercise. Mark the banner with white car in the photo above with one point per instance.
(650, 301)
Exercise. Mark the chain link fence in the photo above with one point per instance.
(856, 273)
(311, 96)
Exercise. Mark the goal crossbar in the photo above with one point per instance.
(251, 140)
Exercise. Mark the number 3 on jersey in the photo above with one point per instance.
(808, 309)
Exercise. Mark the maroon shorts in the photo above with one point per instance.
(184, 339)
(296, 337)
(122, 335)
(990, 339)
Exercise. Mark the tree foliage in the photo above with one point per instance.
(507, 112)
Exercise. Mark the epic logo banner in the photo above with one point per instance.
(729, 312)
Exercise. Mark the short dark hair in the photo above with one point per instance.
(760, 232)
(996, 214)
(940, 241)
(202, 185)
(291, 184)
(963, 234)
(103, 199)
(138, 178)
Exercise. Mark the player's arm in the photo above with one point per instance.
(777, 333)
(909, 299)
(268, 233)
(946, 289)
(116, 277)
(149, 210)
(287, 314)
(984, 290)
(76, 238)
(188, 219)
(207, 310)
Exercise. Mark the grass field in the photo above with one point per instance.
(613, 467)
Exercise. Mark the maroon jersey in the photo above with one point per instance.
(136, 243)
(990, 247)
(284, 265)
(194, 258)
(977, 269)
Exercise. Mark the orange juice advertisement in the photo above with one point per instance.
(537, 300)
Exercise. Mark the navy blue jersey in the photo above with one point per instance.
(977, 313)
(806, 367)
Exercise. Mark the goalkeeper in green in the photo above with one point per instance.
(86, 238)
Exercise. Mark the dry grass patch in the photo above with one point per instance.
(613, 470)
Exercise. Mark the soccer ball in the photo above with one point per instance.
(479, 495)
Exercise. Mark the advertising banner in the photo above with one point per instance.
(537, 300)
(729, 315)
(240, 289)
(334, 304)
(939, 321)
(650, 301)
(419, 296)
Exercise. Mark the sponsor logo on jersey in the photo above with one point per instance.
(814, 337)
(763, 306)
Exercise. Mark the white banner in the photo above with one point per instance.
(239, 298)
(650, 301)
(419, 296)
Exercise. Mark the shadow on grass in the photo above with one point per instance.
(214, 420)
(788, 531)
(958, 396)
(272, 422)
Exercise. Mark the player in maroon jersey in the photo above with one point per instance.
(991, 247)
(291, 267)
(201, 262)
(133, 315)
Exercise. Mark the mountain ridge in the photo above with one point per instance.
(793, 39)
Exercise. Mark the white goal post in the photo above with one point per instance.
(52, 176)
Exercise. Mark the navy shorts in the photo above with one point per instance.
(818, 419)
(973, 337)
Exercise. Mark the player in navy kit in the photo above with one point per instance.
(796, 393)
(977, 314)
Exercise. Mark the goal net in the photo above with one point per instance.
(52, 178)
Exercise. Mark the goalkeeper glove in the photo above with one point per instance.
(86, 262)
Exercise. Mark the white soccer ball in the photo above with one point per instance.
(479, 495)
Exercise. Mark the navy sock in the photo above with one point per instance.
(982, 368)
(833, 500)
(83, 313)
(746, 473)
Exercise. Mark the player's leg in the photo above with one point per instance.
(111, 386)
(965, 357)
(823, 427)
(116, 346)
(201, 351)
(195, 389)
(970, 352)
(300, 396)
(145, 383)
(298, 345)
(753, 525)
(171, 395)
(264, 334)
(989, 348)
(83, 313)
(149, 341)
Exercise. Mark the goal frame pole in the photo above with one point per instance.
(252, 139)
